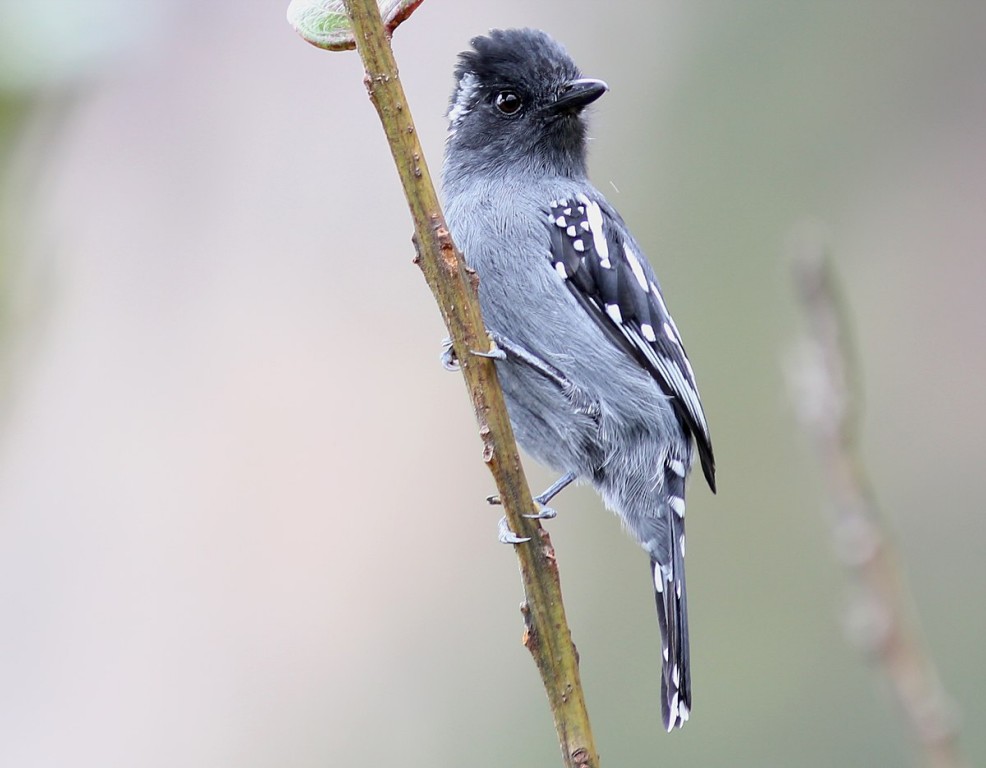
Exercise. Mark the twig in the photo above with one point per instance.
(547, 635)
(881, 618)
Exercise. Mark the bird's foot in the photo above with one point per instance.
(506, 536)
(494, 352)
(545, 513)
(542, 499)
(449, 361)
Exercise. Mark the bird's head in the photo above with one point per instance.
(519, 101)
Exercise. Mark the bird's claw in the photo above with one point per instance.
(506, 536)
(546, 513)
(449, 361)
(494, 353)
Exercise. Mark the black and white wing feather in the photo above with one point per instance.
(592, 250)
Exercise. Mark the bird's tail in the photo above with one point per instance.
(672, 611)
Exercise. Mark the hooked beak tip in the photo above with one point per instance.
(577, 94)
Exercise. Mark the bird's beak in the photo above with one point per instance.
(576, 94)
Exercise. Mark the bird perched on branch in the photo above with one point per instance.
(593, 368)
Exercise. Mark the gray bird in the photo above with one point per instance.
(596, 379)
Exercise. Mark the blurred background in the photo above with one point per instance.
(241, 504)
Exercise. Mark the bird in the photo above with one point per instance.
(594, 372)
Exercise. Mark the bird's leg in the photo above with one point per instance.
(546, 513)
(502, 348)
(555, 488)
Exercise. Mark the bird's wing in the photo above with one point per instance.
(596, 257)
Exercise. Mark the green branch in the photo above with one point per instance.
(547, 635)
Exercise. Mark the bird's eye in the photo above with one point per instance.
(508, 102)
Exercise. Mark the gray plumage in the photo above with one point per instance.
(563, 282)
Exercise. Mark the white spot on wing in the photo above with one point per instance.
(669, 332)
(571, 231)
(675, 679)
(674, 327)
(578, 245)
(678, 505)
(638, 271)
(676, 466)
(648, 331)
(683, 712)
(673, 375)
(594, 215)
(681, 544)
(613, 310)
(560, 269)
(560, 221)
(660, 299)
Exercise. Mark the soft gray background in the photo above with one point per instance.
(241, 504)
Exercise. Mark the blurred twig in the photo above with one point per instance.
(547, 637)
(881, 619)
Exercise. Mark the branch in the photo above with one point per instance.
(881, 619)
(547, 635)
